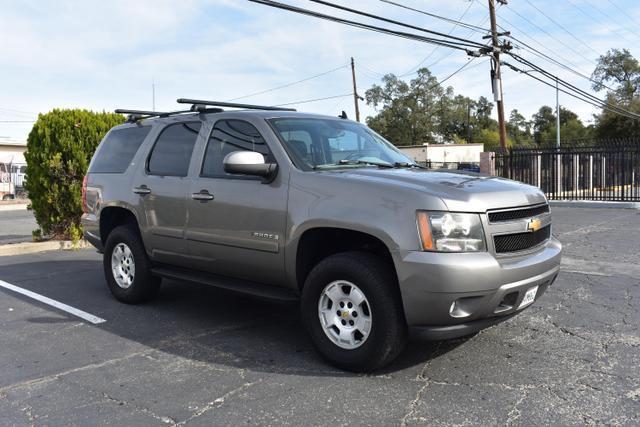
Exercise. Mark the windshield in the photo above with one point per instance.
(334, 143)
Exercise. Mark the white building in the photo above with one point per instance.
(444, 153)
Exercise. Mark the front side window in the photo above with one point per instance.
(332, 143)
(228, 136)
(171, 153)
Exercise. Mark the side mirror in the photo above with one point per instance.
(249, 163)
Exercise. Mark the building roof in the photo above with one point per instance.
(12, 142)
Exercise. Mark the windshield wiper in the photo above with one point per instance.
(407, 165)
(365, 162)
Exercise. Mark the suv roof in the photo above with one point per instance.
(200, 107)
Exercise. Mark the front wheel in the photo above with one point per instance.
(127, 268)
(352, 309)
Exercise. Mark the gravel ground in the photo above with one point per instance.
(200, 356)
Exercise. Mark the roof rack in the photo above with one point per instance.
(135, 115)
(231, 105)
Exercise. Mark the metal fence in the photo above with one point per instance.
(608, 172)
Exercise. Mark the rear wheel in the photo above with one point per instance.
(352, 309)
(127, 268)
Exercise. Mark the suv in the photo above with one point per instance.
(320, 210)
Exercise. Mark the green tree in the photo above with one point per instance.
(519, 129)
(611, 125)
(543, 121)
(408, 113)
(59, 148)
(621, 70)
(491, 139)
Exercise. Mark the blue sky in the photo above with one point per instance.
(103, 55)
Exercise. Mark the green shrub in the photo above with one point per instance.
(59, 149)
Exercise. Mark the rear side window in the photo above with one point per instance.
(172, 151)
(226, 137)
(118, 148)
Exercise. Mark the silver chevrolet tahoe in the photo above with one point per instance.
(320, 210)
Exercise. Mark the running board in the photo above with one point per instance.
(255, 289)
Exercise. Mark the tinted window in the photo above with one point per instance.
(172, 151)
(226, 137)
(118, 148)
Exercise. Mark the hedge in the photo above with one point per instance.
(59, 149)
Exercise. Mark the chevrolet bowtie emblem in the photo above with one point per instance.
(534, 224)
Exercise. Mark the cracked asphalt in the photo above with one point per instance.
(200, 356)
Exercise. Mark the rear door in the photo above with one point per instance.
(236, 224)
(163, 187)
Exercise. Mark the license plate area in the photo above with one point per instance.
(529, 297)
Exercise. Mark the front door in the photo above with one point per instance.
(236, 224)
(163, 188)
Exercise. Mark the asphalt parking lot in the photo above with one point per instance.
(16, 226)
(200, 356)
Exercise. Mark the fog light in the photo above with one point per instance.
(457, 309)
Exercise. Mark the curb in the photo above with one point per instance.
(12, 249)
(593, 204)
(13, 207)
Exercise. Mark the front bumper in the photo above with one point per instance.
(486, 289)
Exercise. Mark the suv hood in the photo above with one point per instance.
(462, 192)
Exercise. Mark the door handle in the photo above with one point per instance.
(203, 196)
(142, 190)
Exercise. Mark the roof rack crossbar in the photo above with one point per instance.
(139, 112)
(232, 105)
(135, 115)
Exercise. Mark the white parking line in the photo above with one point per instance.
(53, 303)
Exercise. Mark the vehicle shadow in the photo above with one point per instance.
(199, 322)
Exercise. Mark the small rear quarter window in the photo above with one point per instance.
(118, 148)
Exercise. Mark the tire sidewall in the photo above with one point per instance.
(139, 288)
(374, 283)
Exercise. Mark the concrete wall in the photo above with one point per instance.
(464, 153)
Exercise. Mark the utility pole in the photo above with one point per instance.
(469, 123)
(355, 89)
(153, 95)
(496, 82)
(557, 115)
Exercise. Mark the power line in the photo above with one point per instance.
(581, 10)
(466, 42)
(435, 48)
(453, 21)
(571, 89)
(532, 39)
(550, 35)
(573, 95)
(410, 36)
(290, 84)
(623, 12)
(306, 101)
(17, 121)
(554, 61)
(561, 27)
(603, 13)
(459, 70)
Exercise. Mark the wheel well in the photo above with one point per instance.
(319, 243)
(112, 217)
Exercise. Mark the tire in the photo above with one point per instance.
(382, 306)
(132, 282)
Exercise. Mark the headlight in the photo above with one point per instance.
(450, 232)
